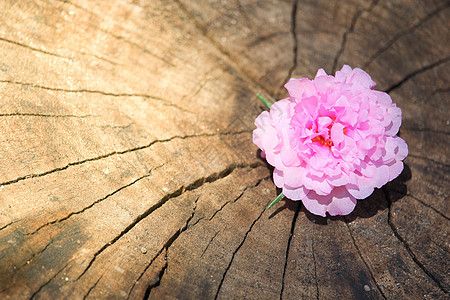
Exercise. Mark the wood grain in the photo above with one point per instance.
(128, 168)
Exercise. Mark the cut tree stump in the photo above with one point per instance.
(127, 166)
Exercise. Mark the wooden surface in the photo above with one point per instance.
(127, 167)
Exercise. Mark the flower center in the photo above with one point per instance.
(324, 139)
(324, 142)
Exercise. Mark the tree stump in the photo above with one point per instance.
(127, 166)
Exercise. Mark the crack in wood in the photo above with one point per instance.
(406, 245)
(54, 54)
(92, 287)
(315, 268)
(265, 38)
(421, 202)
(350, 30)
(428, 205)
(95, 202)
(229, 202)
(364, 261)
(402, 33)
(29, 176)
(18, 114)
(209, 244)
(236, 199)
(196, 184)
(295, 39)
(158, 282)
(35, 254)
(148, 290)
(8, 224)
(236, 251)
(201, 85)
(145, 270)
(98, 57)
(415, 73)
(146, 96)
(48, 281)
(117, 126)
(32, 48)
(286, 259)
(166, 247)
(443, 248)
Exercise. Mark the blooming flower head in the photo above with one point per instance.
(332, 141)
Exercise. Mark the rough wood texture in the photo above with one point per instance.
(127, 168)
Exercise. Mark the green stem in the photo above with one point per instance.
(275, 201)
(263, 100)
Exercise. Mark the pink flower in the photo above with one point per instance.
(332, 141)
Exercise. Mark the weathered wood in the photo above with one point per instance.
(127, 167)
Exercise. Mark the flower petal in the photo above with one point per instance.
(278, 178)
(343, 203)
(316, 204)
(337, 133)
(293, 176)
(299, 88)
(396, 115)
(395, 170)
(360, 191)
(295, 193)
(402, 148)
(320, 72)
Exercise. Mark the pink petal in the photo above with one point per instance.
(383, 98)
(382, 176)
(258, 134)
(320, 185)
(360, 191)
(395, 170)
(310, 105)
(338, 180)
(316, 204)
(269, 141)
(396, 115)
(321, 72)
(390, 146)
(341, 76)
(359, 78)
(299, 88)
(289, 156)
(349, 117)
(337, 133)
(342, 204)
(324, 121)
(278, 178)
(262, 122)
(295, 193)
(279, 109)
(402, 150)
(293, 177)
(323, 83)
